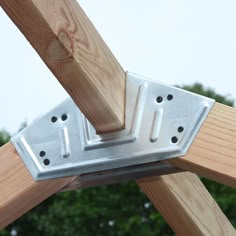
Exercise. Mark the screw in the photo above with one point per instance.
(174, 139)
(180, 129)
(42, 153)
(46, 162)
(53, 119)
(170, 97)
(159, 99)
(64, 117)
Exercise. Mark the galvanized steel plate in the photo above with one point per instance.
(161, 123)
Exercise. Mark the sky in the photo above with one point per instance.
(175, 42)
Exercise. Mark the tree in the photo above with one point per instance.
(199, 89)
(4, 138)
(120, 209)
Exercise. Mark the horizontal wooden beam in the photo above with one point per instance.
(213, 152)
(186, 205)
(76, 54)
(18, 191)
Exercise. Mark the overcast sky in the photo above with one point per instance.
(176, 42)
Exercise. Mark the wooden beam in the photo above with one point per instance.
(186, 205)
(56, 28)
(213, 152)
(76, 54)
(67, 42)
(18, 191)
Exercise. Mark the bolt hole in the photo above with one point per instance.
(64, 117)
(170, 97)
(174, 139)
(46, 162)
(53, 119)
(159, 99)
(180, 129)
(42, 153)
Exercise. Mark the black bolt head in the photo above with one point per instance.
(170, 97)
(42, 153)
(180, 129)
(159, 99)
(174, 139)
(46, 162)
(64, 117)
(53, 119)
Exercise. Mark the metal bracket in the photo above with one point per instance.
(161, 123)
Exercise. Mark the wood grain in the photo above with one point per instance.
(69, 44)
(73, 50)
(18, 191)
(213, 152)
(186, 205)
(76, 54)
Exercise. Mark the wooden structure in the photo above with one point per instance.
(73, 50)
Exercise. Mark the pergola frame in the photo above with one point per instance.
(74, 51)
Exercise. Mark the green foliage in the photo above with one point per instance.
(4, 138)
(199, 89)
(120, 209)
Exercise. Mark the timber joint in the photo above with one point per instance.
(161, 119)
